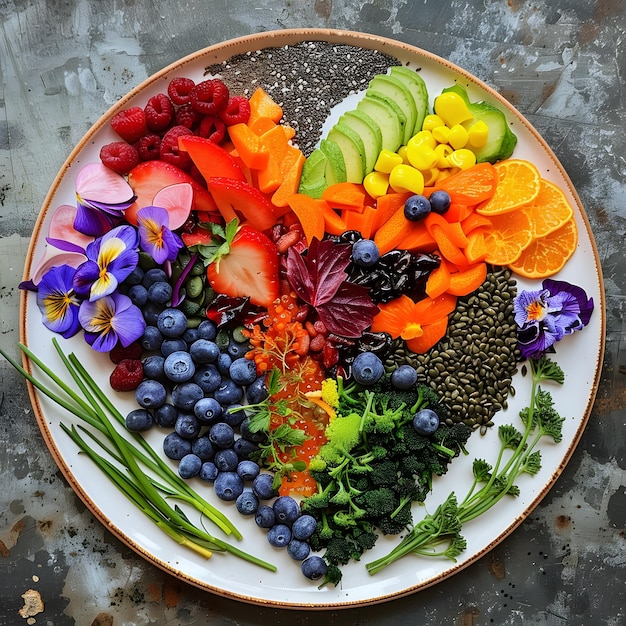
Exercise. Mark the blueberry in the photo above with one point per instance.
(228, 486)
(208, 471)
(208, 377)
(135, 277)
(304, 527)
(226, 460)
(404, 377)
(246, 433)
(204, 351)
(263, 486)
(228, 392)
(172, 323)
(298, 550)
(247, 503)
(234, 415)
(169, 346)
(367, 368)
(365, 253)
(248, 470)
(175, 447)
(314, 567)
(425, 422)
(223, 363)
(203, 447)
(151, 339)
(150, 394)
(190, 335)
(152, 276)
(139, 420)
(185, 396)
(257, 391)
(166, 415)
(244, 448)
(160, 292)
(439, 201)
(207, 410)
(243, 371)
(187, 426)
(416, 208)
(207, 330)
(236, 349)
(138, 295)
(265, 517)
(151, 312)
(153, 367)
(279, 535)
(179, 367)
(189, 466)
(287, 510)
(222, 435)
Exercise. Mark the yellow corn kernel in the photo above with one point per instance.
(402, 153)
(430, 176)
(404, 178)
(376, 184)
(452, 108)
(441, 134)
(458, 137)
(443, 151)
(386, 161)
(462, 158)
(432, 121)
(478, 134)
(424, 137)
(422, 157)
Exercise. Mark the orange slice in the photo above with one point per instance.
(545, 256)
(518, 184)
(549, 210)
(509, 235)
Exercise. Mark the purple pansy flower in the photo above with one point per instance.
(58, 301)
(545, 316)
(111, 319)
(155, 237)
(110, 259)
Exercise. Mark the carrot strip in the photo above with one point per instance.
(457, 212)
(453, 230)
(448, 249)
(249, 146)
(417, 237)
(438, 280)
(473, 221)
(290, 181)
(262, 105)
(345, 196)
(310, 214)
(465, 281)
(361, 222)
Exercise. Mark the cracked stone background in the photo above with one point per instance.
(560, 62)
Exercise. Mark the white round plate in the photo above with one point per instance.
(580, 356)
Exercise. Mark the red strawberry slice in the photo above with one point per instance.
(238, 199)
(210, 158)
(148, 178)
(249, 269)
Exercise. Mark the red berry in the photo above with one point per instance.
(209, 97)
(130, 124)
(178, 90)
(159, 112)
(119, 352)
(237, 111)
(127, 375)
(213, 128)
(170, 152)
(149, 147)
(119, 156)
(187, 116)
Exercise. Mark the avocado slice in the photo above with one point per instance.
(335, 165)
(385, 116)
(370, 133)
(416, 85)
(353, 151)
(394, 89)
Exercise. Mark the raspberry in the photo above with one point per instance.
(130, 124)
(127, 375)
(178, 90)
(187, 116)
(237, 111)
(209, 97)
(170, 152)
(119, 352)
(149, 147)
(213, 128)
(159, 112)
(119, 156)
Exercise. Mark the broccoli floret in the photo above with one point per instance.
(340, 550)
(378, 502)
(333, 576)
(384, 473)
(453, 437)
(394, 525)
(343, 434)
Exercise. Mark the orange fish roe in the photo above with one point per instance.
(282, 342)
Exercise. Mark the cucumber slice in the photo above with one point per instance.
(394, 89)
(416, 85)
(500, 141)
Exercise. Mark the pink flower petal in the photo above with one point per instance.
(97, 182)
(177, 199)
(62, 226)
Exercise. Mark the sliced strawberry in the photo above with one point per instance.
(148, 178)
(248, 269)
(210, 158)
(238, 199)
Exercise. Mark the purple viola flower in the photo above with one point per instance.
(110, 259)
(111, 319)
(155, 237)
(58, 301)
(547, 315)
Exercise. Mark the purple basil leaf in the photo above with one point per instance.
(299, 276)
(350, 312)
(327, 262)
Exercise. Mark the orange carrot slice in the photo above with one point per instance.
(310, 214)
(262, 105)
(457, 212)
(261, 125)
(448, 249)
(417, 238)
(361, 222)
(438, 280)
(453, 230)
(249, 146)
(290, 181)
(473, 221)
(345, 196)
(465, 281)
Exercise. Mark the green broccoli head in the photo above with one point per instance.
(378, 502)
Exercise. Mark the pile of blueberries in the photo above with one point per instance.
(197, 382)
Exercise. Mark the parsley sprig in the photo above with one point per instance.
(439, 533)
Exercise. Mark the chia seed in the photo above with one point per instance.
(297, 76)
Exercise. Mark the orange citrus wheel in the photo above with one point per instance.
(518, 184)
(549, 210)
(545, 256)
(509, 235)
